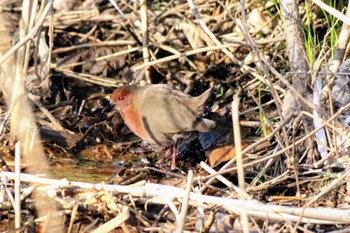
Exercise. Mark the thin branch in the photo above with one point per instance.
(30, 35)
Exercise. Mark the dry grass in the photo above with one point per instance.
(291, 177)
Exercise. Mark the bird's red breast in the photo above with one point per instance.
(124, 99)
(160, 114)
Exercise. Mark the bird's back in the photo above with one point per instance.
(166, 113)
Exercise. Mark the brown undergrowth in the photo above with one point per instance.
(293, 178)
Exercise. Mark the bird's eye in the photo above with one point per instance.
(121, 98)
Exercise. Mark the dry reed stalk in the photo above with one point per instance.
(184, 207)
(115, 222)
(22, 125)
(144, 31)
(332, 11)
(240, 169)
(17, 206)
(165, 194)
(225, 168)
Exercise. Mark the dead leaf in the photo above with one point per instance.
(223, 154)
(195, 35)
(98, 152)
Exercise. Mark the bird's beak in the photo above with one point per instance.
(108, 107)
(115, 105)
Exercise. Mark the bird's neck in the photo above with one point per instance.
(133, 119)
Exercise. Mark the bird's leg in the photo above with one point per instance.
(173, 160)
(164, 156)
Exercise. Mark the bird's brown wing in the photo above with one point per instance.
(166, 112)
(195, 105)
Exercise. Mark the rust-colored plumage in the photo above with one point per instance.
(160, 114)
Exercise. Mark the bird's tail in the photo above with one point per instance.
(199, 102)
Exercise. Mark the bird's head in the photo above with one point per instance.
(122, 98)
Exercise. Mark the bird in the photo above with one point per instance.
(160, 114)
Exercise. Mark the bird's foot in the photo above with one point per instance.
(178, 170)
(161, 161)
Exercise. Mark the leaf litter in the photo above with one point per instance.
(106, 178)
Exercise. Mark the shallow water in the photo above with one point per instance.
(83, 173)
